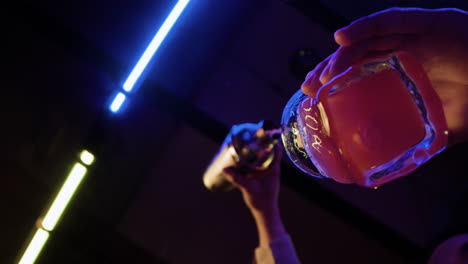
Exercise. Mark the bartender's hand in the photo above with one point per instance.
(260, 189)
(438, 38)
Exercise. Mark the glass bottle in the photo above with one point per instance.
(377, 121)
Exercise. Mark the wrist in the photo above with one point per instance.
(269, 225)
(265, 212)
(260, 204)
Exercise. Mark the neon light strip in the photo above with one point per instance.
(79, 171)
(117, 102)
(86, 157)
(154, 45)
(35, 247)
(63, 198)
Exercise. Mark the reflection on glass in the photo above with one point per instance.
(370, 125)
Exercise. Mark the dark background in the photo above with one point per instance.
(225, 62)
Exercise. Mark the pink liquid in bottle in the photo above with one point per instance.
(374, 123)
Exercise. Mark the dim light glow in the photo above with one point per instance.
(35, 246)
(63, 198)
(78, 171)
(154, 45)
(117, 102)
(87, 157)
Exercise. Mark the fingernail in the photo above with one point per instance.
(338, 35)
(324, 76)
(309, 75)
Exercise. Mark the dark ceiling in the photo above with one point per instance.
(143, 201)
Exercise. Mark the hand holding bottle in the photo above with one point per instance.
(437, 38)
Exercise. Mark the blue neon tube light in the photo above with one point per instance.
(154, 45)
(117, 102)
